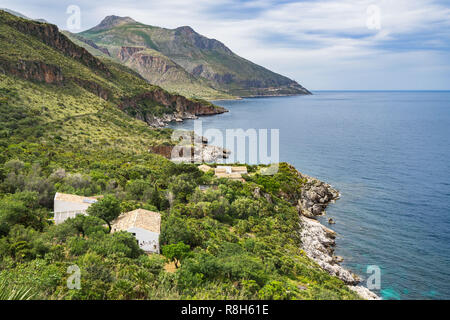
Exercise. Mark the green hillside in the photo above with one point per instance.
(205, 59)
(69, 122)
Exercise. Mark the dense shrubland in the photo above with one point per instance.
(234, 240)
(242, 237)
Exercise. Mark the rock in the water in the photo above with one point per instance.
(331, 221)
(315, 197)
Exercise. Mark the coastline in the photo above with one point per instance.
(318, 241)
(261, 96)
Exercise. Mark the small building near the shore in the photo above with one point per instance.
(229, 172)
(205, 168)
(67, 206)
(145, 225)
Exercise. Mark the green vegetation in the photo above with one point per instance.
(228, 242)
(176, 252)
(108, 209)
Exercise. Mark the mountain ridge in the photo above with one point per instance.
(207, 60)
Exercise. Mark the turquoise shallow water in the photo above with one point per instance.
(388, 154)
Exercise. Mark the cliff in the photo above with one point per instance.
(158, 69)
(50, 35)
(175, 107)
(33, 70)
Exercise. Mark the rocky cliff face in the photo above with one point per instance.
(154, 106)
(176, 107)
(33, 70)
(50, 35)
(198, 153)
(126, 53)
(93, 87)
(315, 197)
(146, 64)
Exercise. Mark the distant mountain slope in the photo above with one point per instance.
(207, 60)
(154, 67)
(18, 14)
(69, 96)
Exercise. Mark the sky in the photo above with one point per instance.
(323, 45)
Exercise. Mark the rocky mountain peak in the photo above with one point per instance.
(185, 30)
(112, 21)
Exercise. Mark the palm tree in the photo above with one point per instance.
(15, 292)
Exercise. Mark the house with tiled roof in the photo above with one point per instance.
(67, 206)
(145, 225)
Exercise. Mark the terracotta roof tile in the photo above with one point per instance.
(139, 218)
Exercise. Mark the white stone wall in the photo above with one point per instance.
(63, 206)
(147, 240)
(65, 209)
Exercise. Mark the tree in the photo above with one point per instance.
(21, 208)
(107, 209)
(176, 252)
(86, 224)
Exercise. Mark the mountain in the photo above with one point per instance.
(173, 57)
(18, 14)
(155, 68)
(78, 97)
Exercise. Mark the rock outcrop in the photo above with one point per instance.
(33, 70)
(93, 87)
(315, 197)
(192, 149)
(318, 241)
(126, 53)
(177, 107)
(50, 35)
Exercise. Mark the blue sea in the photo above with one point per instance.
(389, 155)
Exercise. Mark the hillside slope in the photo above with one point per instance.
(69, 122)
(41, 66)
(205, 59)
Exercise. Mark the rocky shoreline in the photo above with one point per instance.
(161, 122)
(318, 241)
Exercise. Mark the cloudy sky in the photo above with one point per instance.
(324, 44)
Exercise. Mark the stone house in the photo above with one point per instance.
(67, 206)
(229, 172)
(144, 225)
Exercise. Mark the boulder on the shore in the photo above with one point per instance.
(315, 197)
